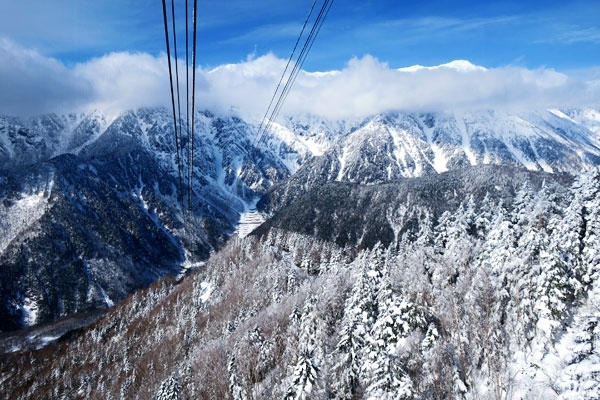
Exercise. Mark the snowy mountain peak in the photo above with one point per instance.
(456, 65)
(390, 146)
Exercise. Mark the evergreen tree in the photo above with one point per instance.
(304, 377)
(169, 389)
(589, 187)
(235, 387)
(483, 218)
(349, 349)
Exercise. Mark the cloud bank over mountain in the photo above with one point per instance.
(34, 84)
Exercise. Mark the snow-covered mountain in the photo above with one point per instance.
(427, 255)
(91, 208)
(400, 144)
(101, 198)
(25, 142)
(393, 146)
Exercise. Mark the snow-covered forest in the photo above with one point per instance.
(490, 300)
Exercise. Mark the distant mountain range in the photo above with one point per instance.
(91, 209)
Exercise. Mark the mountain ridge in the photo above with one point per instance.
(133, 159)
(122, 184)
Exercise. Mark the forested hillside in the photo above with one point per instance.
(489, 299)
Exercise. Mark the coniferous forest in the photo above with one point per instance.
(490, 298)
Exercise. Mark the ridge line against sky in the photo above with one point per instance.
(56, 55)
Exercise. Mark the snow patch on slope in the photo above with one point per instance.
(4, 140)
(560, 114)
(400, 152)
(440, 163)
(16, 219)
(30, 310)
(207, 289)
(466, 139)
(107, 300)
(250, 219)
(342, 160)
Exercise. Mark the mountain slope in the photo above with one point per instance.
(26, 142)
(85, 228)
(506, 310)
(363, 215)
(68, 259)
(391, 146)
(82, 188)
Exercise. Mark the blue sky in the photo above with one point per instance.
(557, 34)
(61, 55)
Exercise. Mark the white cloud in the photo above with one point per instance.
(32, 82)
(367, 86)
(120, 81)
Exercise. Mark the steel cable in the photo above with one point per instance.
(173, 99)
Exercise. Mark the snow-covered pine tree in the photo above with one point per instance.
(483, 217)
(236, 388)
(348, 353)
(304, 377)
(590, 234)
(383, 371)
(169, 389)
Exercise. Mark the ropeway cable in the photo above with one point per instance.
(187, 98)
(191, 160)
(286, 68)
(173, 98)
(298, 66)
(318, 23)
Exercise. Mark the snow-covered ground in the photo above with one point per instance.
(23, 213)
(249, 220)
